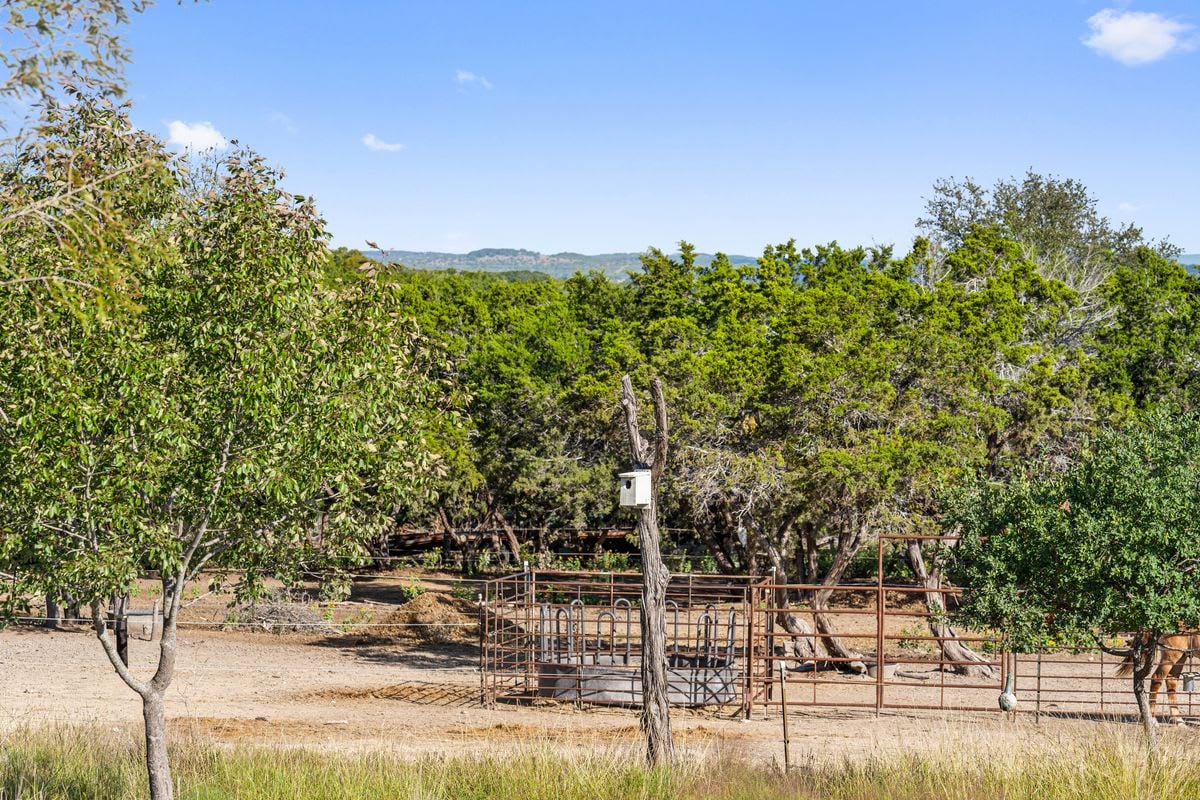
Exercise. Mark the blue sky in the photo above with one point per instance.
(616, 126)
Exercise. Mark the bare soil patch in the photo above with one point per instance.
(408, 682)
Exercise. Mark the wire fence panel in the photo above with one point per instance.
(576, 636)
(871, 644)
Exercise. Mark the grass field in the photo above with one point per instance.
(100, 763)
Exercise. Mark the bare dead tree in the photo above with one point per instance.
(656, 719)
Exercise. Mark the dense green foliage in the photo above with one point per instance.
(1109, 545)
(237, 397)
(819, 396)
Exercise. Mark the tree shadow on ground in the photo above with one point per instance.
(423, 693)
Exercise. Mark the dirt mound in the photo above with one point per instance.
(432, 617)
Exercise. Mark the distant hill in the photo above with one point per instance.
(559, 265)
(562, 265)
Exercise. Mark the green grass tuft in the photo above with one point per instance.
(78, 763)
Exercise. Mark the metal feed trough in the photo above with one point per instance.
(573, 666)
(577, 637)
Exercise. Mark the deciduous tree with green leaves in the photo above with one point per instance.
(1110, 546)
(247, 415)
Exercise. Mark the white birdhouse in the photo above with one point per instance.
(635, 488)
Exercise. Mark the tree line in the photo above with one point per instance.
(820, 396)
(193, 384)
(817, 394)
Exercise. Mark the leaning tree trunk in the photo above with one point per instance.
(510, 537)
(964, 660)
(848, 659)
(656, 717)
(807, 643)
(805, 646)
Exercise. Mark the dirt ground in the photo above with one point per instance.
(334, 689)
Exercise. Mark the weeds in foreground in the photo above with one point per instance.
(75, 763)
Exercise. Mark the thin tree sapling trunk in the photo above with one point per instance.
(1144, 649)
(152, 691)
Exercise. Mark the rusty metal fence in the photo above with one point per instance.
(867, 647)
(576, 636)
(734, 642)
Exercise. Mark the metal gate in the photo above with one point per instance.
(575, 636)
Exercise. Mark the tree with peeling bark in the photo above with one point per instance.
(656, 711)
(247, 415)
(1107, 548)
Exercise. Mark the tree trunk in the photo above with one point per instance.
(52, 612)
(951, 648)
(851, 659)
(461, 543)
(724, 562)
(1144, 648)
(804, 643)
(656, 716)
(510, 538)
(121, 627)
(498, 548)
(543, 547)
(158, 765)
(152, 691)
(848, 547)
(656, 720)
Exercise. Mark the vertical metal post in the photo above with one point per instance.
(1037, 706)
(879, 620)
(769, 625)
(530, 639)
(1189, 672)
(1016, 664)
(787, 756)
(483, 636)
(751, 659)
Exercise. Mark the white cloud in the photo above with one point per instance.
(195, 135)
(373, 142)
(1127, 207)
(465, 76)
(1136, 37)
(284, 121)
